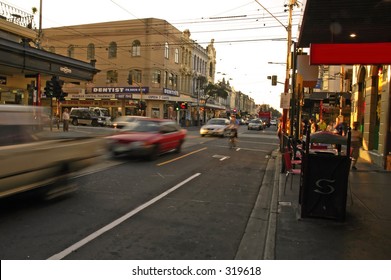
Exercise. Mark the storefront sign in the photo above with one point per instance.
(119, 89)
(65, 70)
(285, 100)
(91, 96)
(171, 92)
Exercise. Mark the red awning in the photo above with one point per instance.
(350, 54)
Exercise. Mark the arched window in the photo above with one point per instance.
(71, 51)
(91, 51)
(112, 76)
(136, 46)
(134, 77)
(156, 76)
(166, 50)
(113, 50)
(176, 55)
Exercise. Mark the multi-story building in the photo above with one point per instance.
(143, 61)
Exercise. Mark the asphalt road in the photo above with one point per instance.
(192, 205)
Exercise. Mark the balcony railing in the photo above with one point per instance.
(16, 16)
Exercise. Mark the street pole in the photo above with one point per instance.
(288, 62)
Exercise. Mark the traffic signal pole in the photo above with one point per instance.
(288, 63)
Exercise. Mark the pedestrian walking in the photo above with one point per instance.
(356, 142)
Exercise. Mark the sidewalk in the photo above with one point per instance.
(365, 234)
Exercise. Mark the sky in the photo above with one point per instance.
(250, 36)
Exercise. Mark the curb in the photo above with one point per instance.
(258, 241)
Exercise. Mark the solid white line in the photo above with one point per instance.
(115, 223)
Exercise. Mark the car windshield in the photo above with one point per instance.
(143, 126)
(215, 121)
(105, 112)
(254, 121)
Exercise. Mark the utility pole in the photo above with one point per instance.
(288, 61)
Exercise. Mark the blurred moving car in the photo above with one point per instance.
(124, 121)
(257, 124)
(35, 159)
(215, 127)
(148, 138)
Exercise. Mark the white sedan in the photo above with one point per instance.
(215, 127)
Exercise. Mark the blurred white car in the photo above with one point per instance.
(257, 124)
(215, 127)
(124, 121)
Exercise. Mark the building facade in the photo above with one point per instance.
(25, 67)
(145, 61)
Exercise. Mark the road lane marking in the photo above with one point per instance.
(178, 158)
(120, 220)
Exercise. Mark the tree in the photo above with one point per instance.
(215, 90)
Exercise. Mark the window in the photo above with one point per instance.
(136, 45)
(71, 51)
(165, 78)
(113, 50)
(156, 77)
(134, 76)
(176, 56)
(91, 51)
(166, 51)
(170, 79)
(112, 76)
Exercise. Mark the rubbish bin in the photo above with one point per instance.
(324, 178)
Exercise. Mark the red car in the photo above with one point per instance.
(147, 137)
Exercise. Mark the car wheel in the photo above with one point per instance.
(179, 147)
(75, 122)
(202, 135)
(94, 123)
(154, 153)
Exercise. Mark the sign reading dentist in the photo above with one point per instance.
(119, 89)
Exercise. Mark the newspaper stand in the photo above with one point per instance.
(324, 177)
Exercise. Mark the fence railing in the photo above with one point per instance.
(16, 16)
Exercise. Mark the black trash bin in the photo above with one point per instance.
(324, 178)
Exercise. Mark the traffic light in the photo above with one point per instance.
(274, 80)
(49, 89)
(57, 87)
(177, 107)
(183, 105)
(62, 96)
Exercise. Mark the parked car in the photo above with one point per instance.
(104, 113)
(257, 124)
(147, 137)
(83, 116)
(215, 127)
(124, 121)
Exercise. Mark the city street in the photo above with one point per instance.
(192, 205)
